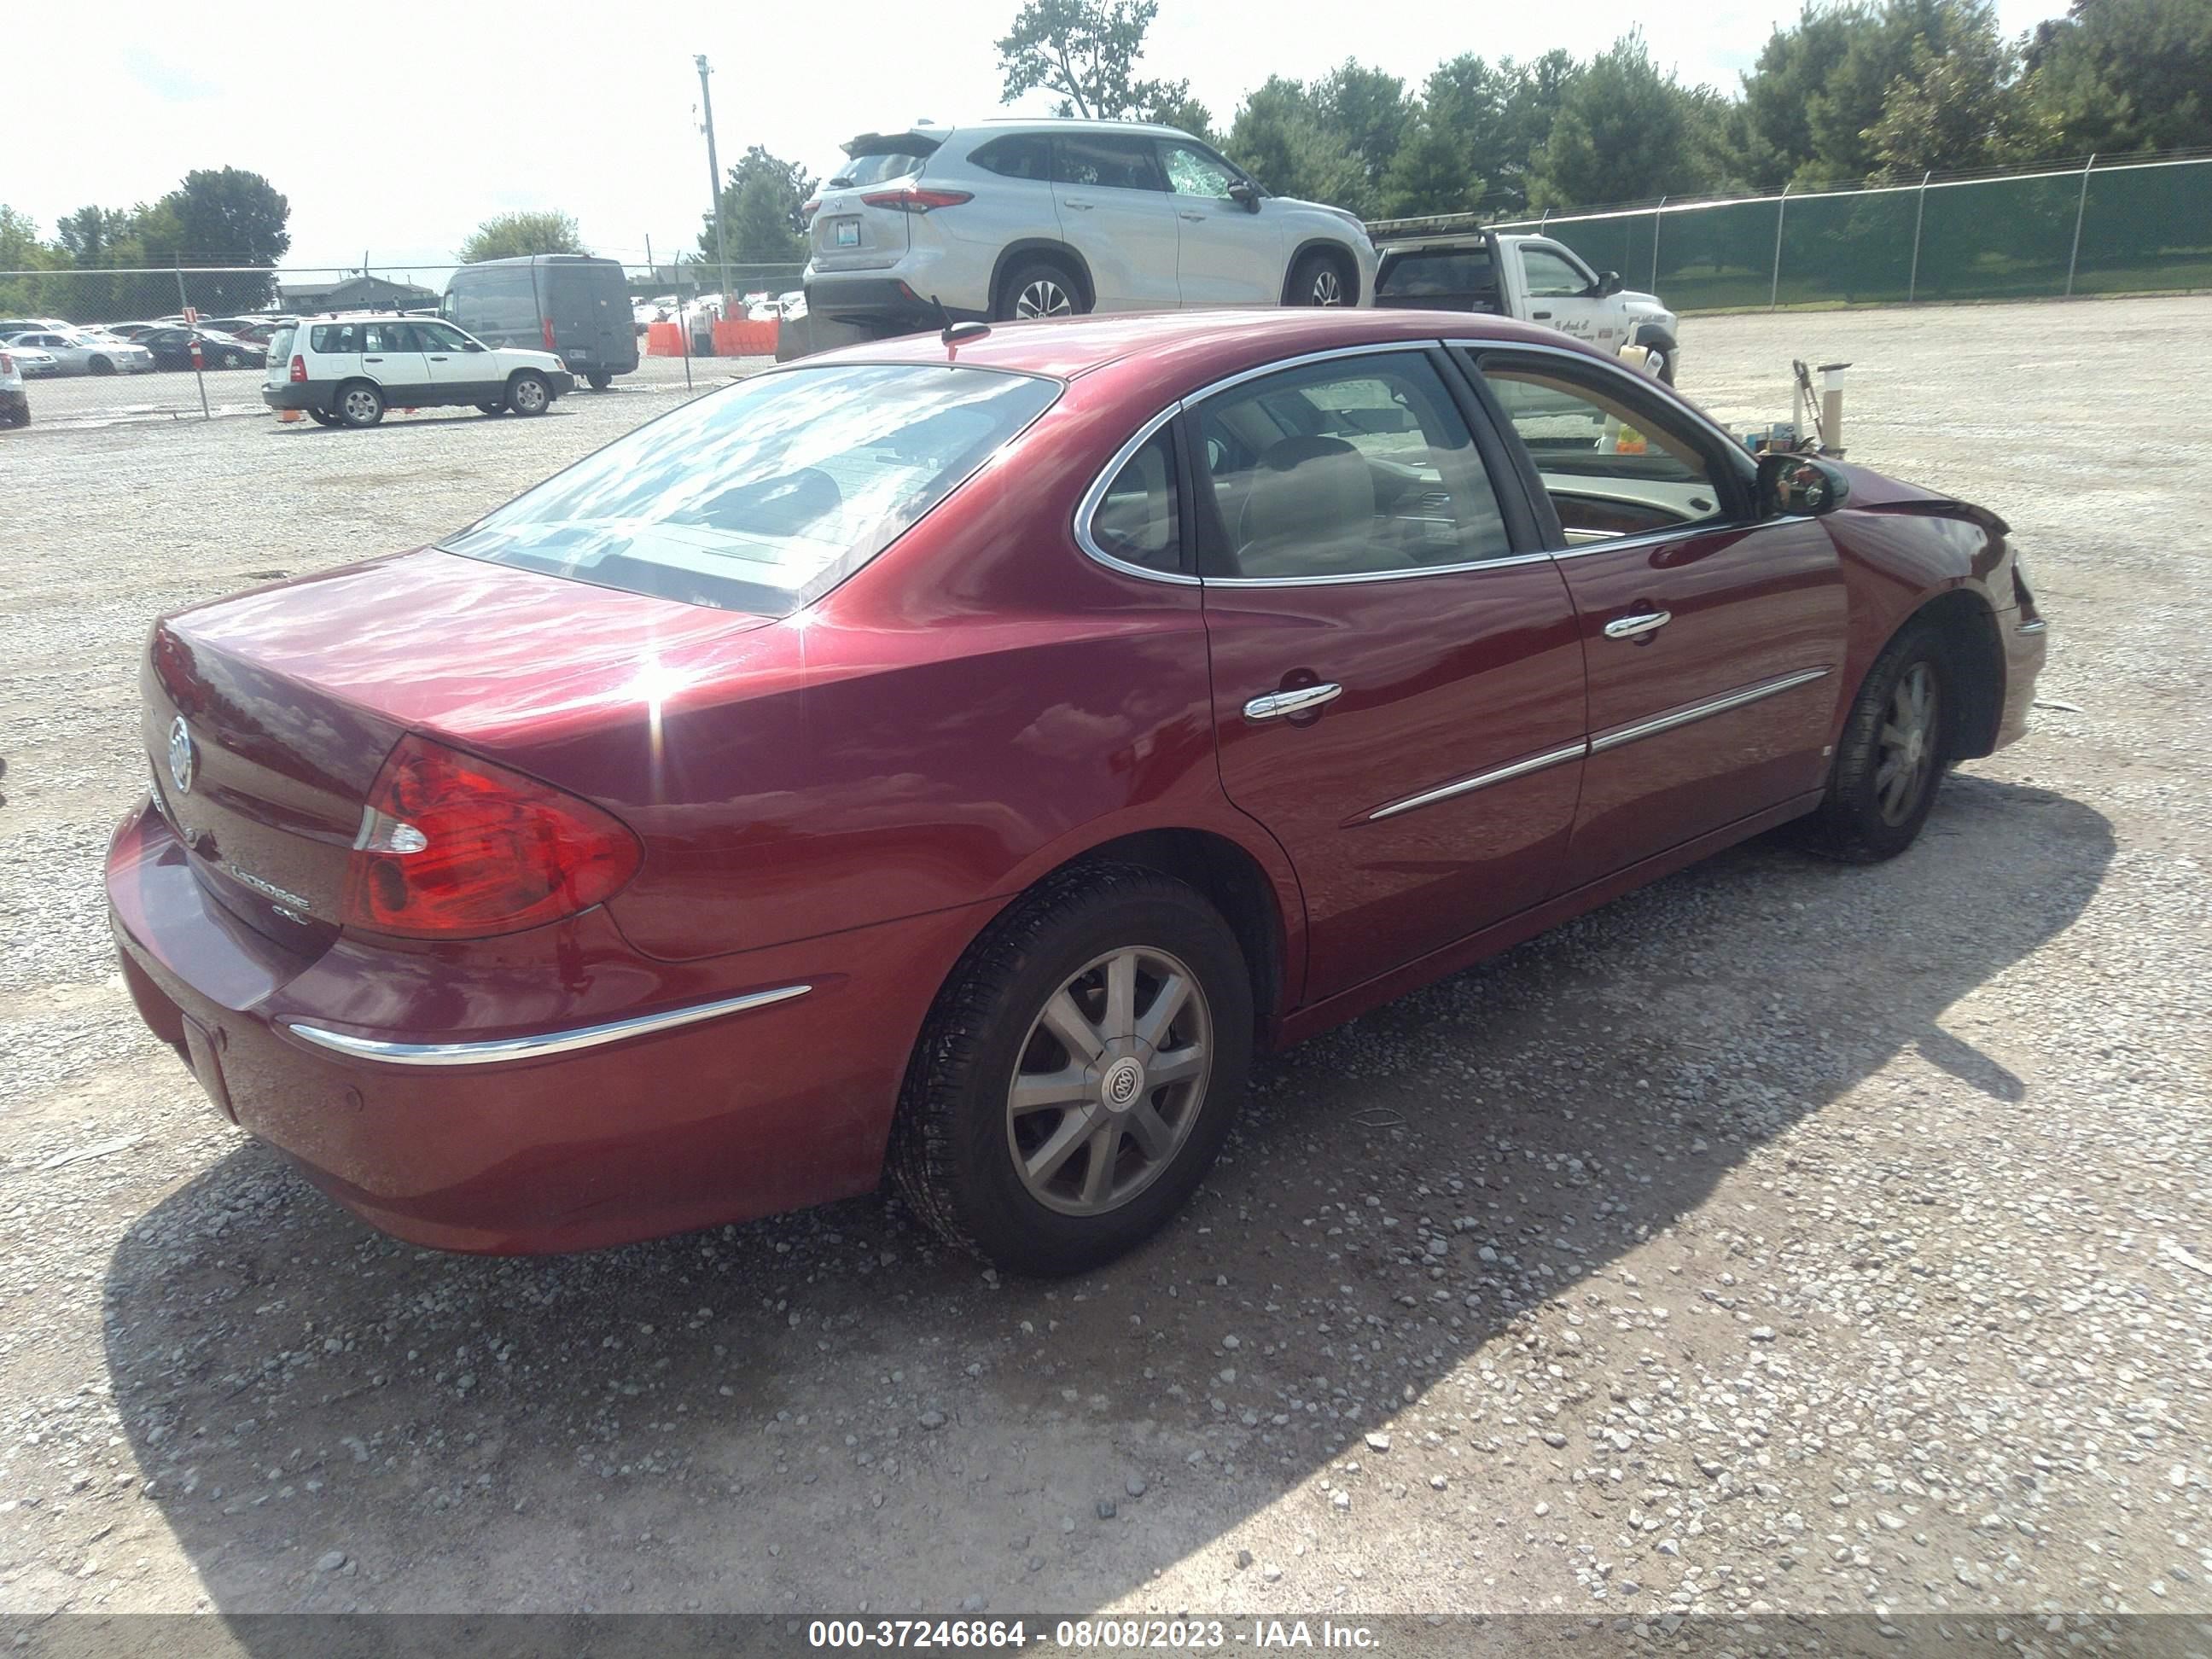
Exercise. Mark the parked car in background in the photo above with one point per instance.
(37, 364)
(15, 398)
(1007, 219)
(255, 330)
(78, 351)
(132, 331)
(347, 369)
(171, 347)
(567, 303)
(1536, 279)
(959, 762)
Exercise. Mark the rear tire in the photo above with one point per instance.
(1322, 278)
(529, 394)
(1038, 288)
(1047, 1154)
(322, 418)
(1890, 762)
(601, 381)
(231, 360)
(358, 403)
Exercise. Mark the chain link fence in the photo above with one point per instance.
(149, 374)
(2114, 227)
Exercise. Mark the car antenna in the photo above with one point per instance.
(951, 333)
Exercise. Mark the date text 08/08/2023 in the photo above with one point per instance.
(1089, 1634)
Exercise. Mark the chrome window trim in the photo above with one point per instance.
(1712, 429)
(2037, 626)
(1697, 711)
(1095, 497)
(1661, 538)
(539, 1046)
(1519, 768)
(1379, 575)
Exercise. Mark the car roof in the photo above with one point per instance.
(1209, 343)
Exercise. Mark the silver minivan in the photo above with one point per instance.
(1009, 219)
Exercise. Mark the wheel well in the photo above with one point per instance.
(1348, 266)
(1969, 630)
(1058, 253)
(1232, 882)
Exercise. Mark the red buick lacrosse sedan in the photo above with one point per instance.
(950, 757)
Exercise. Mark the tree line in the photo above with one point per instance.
(214, 217)
(1866, 91)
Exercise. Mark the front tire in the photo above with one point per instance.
(1079, 1073)
(101, 366)
(358, 403)
(1322, 278)
(529, 394)
(1039, 289)
(1895, 747)
(493, 408)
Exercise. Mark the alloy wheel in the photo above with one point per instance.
(1327, 290)
(529, 396)
(361, 406)
(1110, 1081)
(1908, 744)
(1042, 297)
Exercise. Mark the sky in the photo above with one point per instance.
(394, 133)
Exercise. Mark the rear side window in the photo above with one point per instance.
(1439, 271)
(764, 496)
(1104, 161)
(335, 336)
(1139, 520)
(1017, 156)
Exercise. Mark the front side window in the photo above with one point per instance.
(1105, 161)
(1139, 520)
(1344, 469)
(1613, 464)
(764, 496)
(1192, 172)
(437, 336)
(1550, 275)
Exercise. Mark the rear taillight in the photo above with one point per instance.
(917, 201)
(549, 333)
(7, 364)
(810, 207)
(299, 369)
(453, 846)
(2021, 596)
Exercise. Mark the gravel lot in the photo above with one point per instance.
(1781, 1236)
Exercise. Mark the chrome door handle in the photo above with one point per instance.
(1276, 704)
(1195, 218)
(1631, 628)
(1084, 206)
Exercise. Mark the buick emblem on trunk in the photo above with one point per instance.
(183, 760)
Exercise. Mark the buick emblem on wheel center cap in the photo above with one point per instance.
(1124, 1078)
(183, 759)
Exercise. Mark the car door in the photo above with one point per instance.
(1563, 293)
(1397, 679)
(391, 356)
(1714, 640)
(458, 369)
(1225, 254)
(1115, 211)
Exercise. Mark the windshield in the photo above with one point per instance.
(764, 496)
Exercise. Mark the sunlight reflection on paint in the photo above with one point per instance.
(655, 684)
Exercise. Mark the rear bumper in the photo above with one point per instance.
(533, 1127)
(2026, 645)
(880, 305)
(303, 394)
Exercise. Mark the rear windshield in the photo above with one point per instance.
(280, 343)
(1440, 271)
(871, 160)
(764, 496)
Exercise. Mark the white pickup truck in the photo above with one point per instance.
(1531, 277)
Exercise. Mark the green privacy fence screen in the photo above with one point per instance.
(2125, 226)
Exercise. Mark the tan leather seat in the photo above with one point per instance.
(1309, 510)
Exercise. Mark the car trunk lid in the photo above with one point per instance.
(268, 715)
(846, 233)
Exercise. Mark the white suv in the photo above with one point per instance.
(347, 368)
(1019, 219)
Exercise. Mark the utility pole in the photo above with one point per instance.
(714, 174)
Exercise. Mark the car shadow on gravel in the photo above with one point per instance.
(823, 1410)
